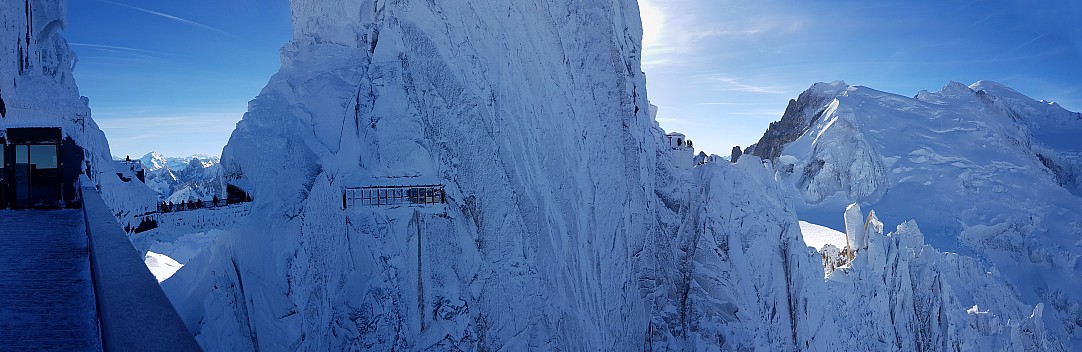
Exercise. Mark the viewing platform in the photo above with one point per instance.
(46, 292)
(393, 196)
(71, 280)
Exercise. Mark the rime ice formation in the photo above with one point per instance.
(988, 173)
(37, 90)
(534, 116)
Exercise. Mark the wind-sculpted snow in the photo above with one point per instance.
(988, 173)
(37, 89)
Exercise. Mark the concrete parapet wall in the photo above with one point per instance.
(134, 312)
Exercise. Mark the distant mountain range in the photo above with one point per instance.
(179, 179)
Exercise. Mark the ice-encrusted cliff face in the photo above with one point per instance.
(37, 90)
(731, 271)
(534, 117)
(986, 171)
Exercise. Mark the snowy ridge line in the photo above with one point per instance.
(223, 217)
(134, 313)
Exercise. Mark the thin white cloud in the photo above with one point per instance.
(115, 48)
(1018, 48)
(171, 17)
(733, 84)
(964, 6)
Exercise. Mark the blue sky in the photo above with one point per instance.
(176, 76)
(722, 70)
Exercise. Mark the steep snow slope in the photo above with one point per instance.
(567, 226)
(817, 236)
(985, 170)
(38, 90)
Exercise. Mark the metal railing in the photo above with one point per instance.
(391, 196)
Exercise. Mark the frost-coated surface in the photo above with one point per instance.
(46, 291)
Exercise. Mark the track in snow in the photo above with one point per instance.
(46, 294)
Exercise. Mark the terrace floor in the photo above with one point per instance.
(46, 293)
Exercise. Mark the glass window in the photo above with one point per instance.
(21, 156)
(44, 156)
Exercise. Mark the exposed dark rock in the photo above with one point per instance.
(799, 115)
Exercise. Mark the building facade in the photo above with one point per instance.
(39, 168)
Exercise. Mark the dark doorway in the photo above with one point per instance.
(33, 168)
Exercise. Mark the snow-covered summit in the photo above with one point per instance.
(984, 169)
(154, 161)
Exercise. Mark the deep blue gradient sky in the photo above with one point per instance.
(176, 76)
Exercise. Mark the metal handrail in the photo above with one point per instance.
(380, 196)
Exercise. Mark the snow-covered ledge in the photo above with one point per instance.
(134, 313)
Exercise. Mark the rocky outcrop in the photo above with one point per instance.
(799, 115)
